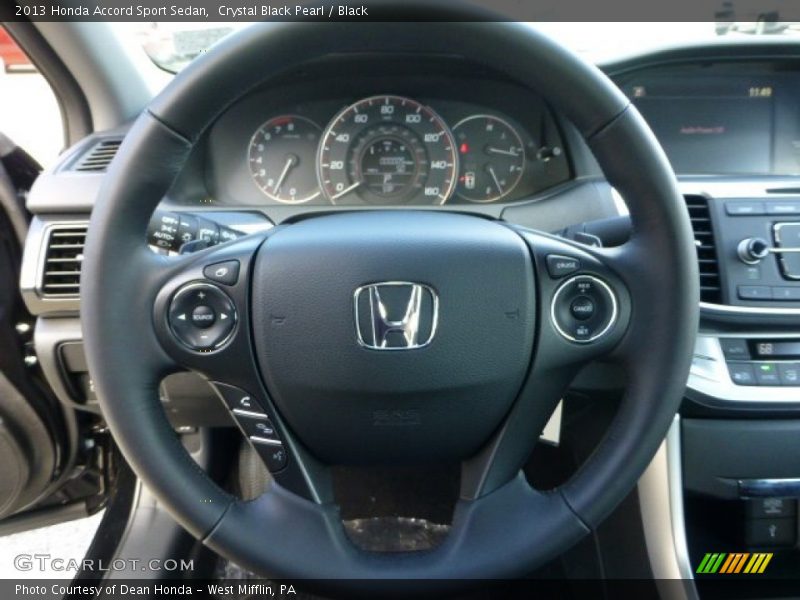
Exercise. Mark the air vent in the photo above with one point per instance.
(62, 268)
(99, 157)
(710, 289)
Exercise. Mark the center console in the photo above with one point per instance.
(740, 424)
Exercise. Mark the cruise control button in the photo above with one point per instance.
(742, 373)
(203, 316)
(561, 266)
(224, 272)
(582, 308)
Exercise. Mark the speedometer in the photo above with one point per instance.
(387, 150)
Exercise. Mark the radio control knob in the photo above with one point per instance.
(752, 250)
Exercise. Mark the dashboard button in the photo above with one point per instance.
(783, 208)
(790, 374)
(765, 508)
(224, 272)
(734, 349)
(742, 373)
(767, 374)
(201, 316)
(744, 208)
(786, 293)
(770, 532)
(754, 292)
(560, 266)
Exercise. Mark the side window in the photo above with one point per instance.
(29, 113)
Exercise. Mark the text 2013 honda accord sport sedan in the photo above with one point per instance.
(384, 308)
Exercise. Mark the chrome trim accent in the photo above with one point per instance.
(249, 414)
(661, 505)
(709, 373)
(408, 325)
(677, 518)
(769, 488)
(264, 441)
(611, 321)
(726, 309)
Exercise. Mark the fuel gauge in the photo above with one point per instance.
(492, 158)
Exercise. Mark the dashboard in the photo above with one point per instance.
(386, 141)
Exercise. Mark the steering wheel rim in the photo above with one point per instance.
(502, 527)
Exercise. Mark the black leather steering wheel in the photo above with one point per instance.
(503, 352)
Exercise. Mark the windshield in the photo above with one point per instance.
(173, 45)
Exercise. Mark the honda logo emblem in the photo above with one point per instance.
(395, 315)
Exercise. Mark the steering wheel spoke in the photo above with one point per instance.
(201, 317)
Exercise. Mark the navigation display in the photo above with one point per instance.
(709, 126)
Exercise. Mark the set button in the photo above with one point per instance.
(201, 316)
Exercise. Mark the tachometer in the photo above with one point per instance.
(387, 150)
(492, 158)
(282, 159)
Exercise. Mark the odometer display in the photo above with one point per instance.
(387, 150)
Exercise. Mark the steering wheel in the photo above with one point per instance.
(490, 330)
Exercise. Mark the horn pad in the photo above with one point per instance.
(393, 336)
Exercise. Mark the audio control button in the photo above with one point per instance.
(201, 316)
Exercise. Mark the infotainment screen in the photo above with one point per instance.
(710, 127)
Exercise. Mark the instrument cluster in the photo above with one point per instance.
(384, 150)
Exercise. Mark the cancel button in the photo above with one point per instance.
(582, 308)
